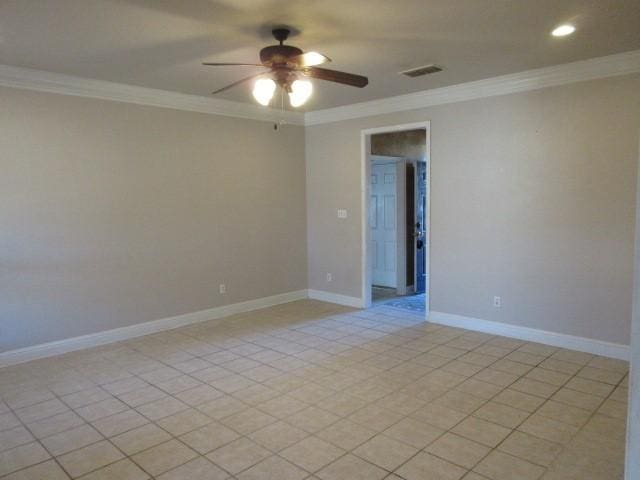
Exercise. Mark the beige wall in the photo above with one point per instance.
(532, 199)
(113, 214)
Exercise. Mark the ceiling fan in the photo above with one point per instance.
(288, 68)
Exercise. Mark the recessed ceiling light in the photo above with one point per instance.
(563, 30)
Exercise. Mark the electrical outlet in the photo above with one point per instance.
(329, 277)
(497, 301)
(223, 288)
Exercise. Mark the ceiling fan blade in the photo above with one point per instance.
(246, 79)
(336, 76)
(209, 64)
(310, 59)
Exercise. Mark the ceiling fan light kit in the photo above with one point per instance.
(289, 68)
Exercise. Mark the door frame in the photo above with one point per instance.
(365, 175)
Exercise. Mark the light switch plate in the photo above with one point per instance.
(342, 213)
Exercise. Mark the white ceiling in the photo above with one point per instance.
(161, 43)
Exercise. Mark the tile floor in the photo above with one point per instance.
(310, 390)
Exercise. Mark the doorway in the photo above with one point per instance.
(395, 186)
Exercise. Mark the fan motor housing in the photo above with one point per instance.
(278, 54)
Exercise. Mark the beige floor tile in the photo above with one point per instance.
(140, 439)
(178, 384)
(496, 377)
(481, 431)
(548, 376)
(501, 414)
(248, 421)
(548, 429)
(73, 439)
(401, 403)
(273, 468)
(312, 453)
(104, 408)
(439, 416)
(564, 413)
(519, 400)
(414, 432)
(444, 379)
(125, 385)
(426, 466)
(312, 419)
(42, 410)
(479, 388)
(163, 457)
(533, 449)
(591, 387)
(183, 422)
(209, 437)
(256, 394)
(141, 396)
(385, 452)
(222, 407)
(198, 395)
(561, 366)
(461, 401)
(161, 408)
(8, 420)
(238, 455)
(119, 423)
(282, 406)
(85, 397)
(14, 437)
(458, 450)
(578, 399)
(346, 434)
(21, 457)
(341, 404)
(89, 458)
(56, 424)
(462, 368)
(294, 377)
(232, 383)
(614, 409)
(534, 387)
(573, 356)
(198, 469)
(350, 467)
(538, 349)
(375, 418)
(501, 466)
(278, 436)
(24, 397)
(122, 470)
(48, 470)
(611, 377)
(526, 358)
(514, 368)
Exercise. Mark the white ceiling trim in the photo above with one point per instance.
(601, 67)
(30, 79)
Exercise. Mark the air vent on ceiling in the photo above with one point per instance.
(418, 72)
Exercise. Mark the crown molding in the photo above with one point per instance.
(38, 80)
(601, 67)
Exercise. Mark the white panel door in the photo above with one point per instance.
(383, 223)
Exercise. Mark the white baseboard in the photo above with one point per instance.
(345, 300)
(26, 354)
(596, 347)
